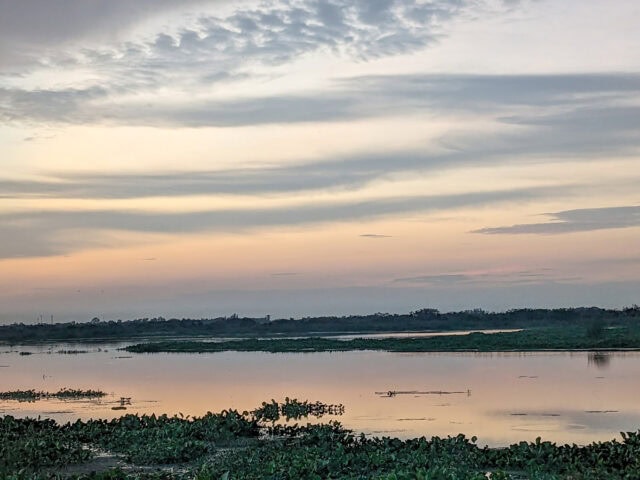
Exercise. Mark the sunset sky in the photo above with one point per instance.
(303, 157)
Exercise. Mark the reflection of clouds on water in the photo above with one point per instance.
(536, 428)
(431, 419)
(378, 432)
(604, 421)
(593, 420)
(576, 427)
(371, 417)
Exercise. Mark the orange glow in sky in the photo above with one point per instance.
(200, 160)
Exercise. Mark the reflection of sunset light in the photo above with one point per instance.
(504, 397)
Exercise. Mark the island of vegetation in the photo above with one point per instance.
(62, 394)
(421, 320)
(591, 337)
(256, 445)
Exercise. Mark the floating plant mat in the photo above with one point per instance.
(293, 409)
(522, 414)
(62, 394)
(393, 393)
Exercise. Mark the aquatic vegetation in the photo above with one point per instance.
(231, 445)
(393, 393)
(28, 444)
(540, 339)
(294, 410)
(151, 439)
(62, 394)
(139, 439)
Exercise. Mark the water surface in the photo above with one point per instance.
(501, 397)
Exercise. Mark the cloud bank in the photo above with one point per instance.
(41, 233)
(578, 220)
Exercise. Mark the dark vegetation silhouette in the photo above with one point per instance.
(421, 320)
(565, 338)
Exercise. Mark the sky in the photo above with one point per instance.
(317, 157)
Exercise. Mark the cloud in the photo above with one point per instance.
(579, 220)
(375, 235)
(40, 21)
(321, 174)
(509, 277)
(559, 116)
(40, 233)
(217, 46)
(58, 106)
(317, 175)
(579, 116)
(475, 92)
(447, 278)
(587, 102)
(29, 27)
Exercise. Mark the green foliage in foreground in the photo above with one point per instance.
(232, 445)
(28, 445)
(574, 338)
(330, 452)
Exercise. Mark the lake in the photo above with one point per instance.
(501, 397)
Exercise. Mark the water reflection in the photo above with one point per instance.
(599, 360)
(501, 398)
(418, 334)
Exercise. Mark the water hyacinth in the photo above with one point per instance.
(233, 445)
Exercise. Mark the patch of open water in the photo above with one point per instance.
(499, 397)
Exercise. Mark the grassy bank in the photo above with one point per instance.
(569, 338)
(250, 445)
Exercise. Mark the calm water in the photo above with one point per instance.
(418, 334)
(502, 398)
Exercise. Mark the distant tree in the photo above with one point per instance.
(596, 329)
(425, 312)
(633, 310)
